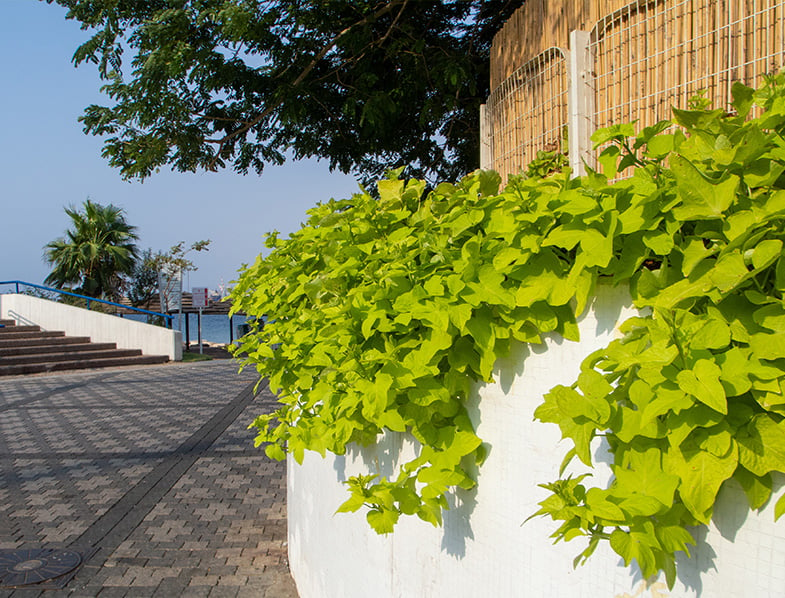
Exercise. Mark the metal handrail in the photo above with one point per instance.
(89, 299)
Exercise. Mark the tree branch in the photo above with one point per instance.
(301, 77)
(219, 118)
(357, 57)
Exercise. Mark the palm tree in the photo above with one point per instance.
(95, 252)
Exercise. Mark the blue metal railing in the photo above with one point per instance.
(167, 317)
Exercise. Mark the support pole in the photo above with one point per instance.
(486, 147)
(187, 331)
(581, 102)
(231, 331)
(199, 322)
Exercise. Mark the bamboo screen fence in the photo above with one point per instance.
(648, 55)
(540, 24)
(529, 111)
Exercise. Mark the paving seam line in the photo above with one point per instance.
(55, 457)
(80, 456)
(116, 524)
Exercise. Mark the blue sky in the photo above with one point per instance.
(47, 163)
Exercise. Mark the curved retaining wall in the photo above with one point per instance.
(482, 549)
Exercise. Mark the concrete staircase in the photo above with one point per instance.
(29, 350)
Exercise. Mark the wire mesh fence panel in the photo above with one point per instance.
(528, 112)
(648, 56)
(652, 55)
(542, 24)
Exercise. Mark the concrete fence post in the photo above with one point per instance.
(580, 100)
(486, 148)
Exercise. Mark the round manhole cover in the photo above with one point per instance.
(26, 567)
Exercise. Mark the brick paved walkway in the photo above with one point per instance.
(154, 469)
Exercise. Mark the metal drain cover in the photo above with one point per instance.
(28, 567)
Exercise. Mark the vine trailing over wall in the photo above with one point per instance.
(386, 313)
(694, 394)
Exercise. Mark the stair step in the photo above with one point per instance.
(13, 334)
(71, 347)
(42, 341)
(57, 357)
(29, 350)
(15, 329)
(37, 368)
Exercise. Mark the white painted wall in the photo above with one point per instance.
(482, 549)
(100, 327)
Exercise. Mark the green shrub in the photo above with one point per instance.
(386, 313)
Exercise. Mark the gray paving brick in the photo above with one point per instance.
(73, 447)
(223, 592)
(22, 593)
(170, 586)
(113, 592)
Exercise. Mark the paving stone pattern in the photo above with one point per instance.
(155, 468)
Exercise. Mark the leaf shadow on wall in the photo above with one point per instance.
(457, 522)
(457, 519)
(731, 514)
(690, 570)
(381, 458)
(384, 458)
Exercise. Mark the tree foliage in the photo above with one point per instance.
(366, 85)
(144, 283)
(95, 253)
(174, 261)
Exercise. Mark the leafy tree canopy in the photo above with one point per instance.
(364, 84)
(144, 284)
(174, 261)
